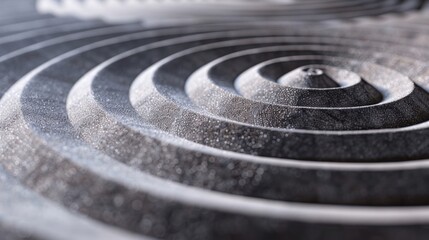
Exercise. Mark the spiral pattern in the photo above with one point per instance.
(256, 130)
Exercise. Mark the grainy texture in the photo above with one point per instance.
(228, 10)
(220, 130)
